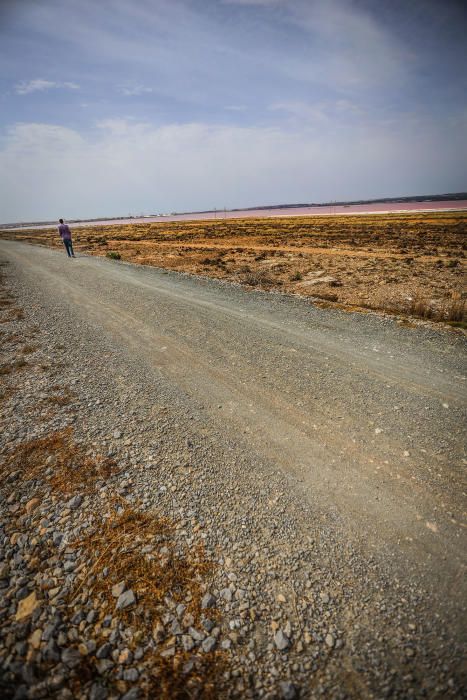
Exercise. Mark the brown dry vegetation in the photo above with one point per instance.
(73, 469)
(411, 264)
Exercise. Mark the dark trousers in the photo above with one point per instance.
(69, 247)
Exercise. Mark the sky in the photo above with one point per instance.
(125, 107)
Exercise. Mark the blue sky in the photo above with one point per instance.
(130, 106)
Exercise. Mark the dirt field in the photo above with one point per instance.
(410, 264)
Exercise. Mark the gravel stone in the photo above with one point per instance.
(125, 600)
(71, 657)
(208, 644)
(75, 502)
(281, 640)
(208, 601)
(288, 690)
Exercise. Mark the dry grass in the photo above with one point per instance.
(256, 278)
(73, 470)
(15, 314)
(141, 549)
(14, 366)
(63, 399)
(187, 677)
(28, 349)
(6, 392)
(5, 301)
(152, 575)
(452, 311)
(14, 338)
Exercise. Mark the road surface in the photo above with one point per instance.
(366, 415)
(364, 418)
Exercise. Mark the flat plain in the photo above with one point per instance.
(410, 264)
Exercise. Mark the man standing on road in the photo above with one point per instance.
(65, 235)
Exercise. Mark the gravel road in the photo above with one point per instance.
(327, 466)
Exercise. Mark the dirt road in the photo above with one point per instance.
(362, 419)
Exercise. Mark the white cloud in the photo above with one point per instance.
(129, 166)
(136, 90)
(316, 113)
(39, 85)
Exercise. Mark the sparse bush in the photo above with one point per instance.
(451, 311)
(113, 255)
(454, 310)
(212, 261)
(28, 349)
(325, 296)
(422, 308)
(296, 277)
(257, 278)
(13, 366)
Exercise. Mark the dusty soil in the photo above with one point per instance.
(410, 264)
(317, 455)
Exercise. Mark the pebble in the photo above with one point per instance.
(226, 594)
(208, 644)
(71, 657)
(118, 589)
(36, 638)
(98, 692)
(281, 640)
(75, 502)
(32, 505)
(131, 674)
(125, 657)
(288, 690)
(27, 606)
(125, 600)
(187, 642)
(132, 694)
(208, 601)
(104, 651)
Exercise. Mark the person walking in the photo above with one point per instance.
(65, 234)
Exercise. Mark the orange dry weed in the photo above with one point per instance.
(73, 470)
(139, 548)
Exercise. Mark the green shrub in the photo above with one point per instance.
(113, 255)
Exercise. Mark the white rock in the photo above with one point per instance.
(281, 640)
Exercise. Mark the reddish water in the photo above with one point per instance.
(377, 208)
